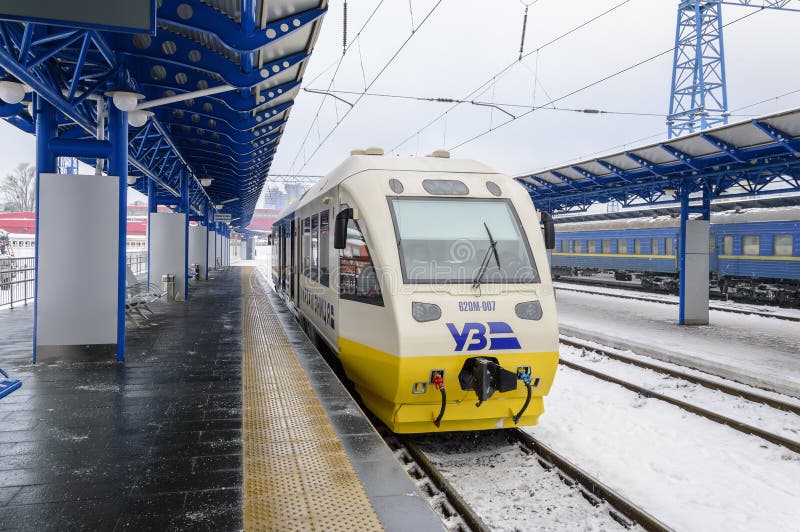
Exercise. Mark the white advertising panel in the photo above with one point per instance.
(78, 260)
(167, 233)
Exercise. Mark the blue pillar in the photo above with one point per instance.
(152, 206)
(684, 192)
(46, 131)
(208, 228)
(118, 166)
(185, 209)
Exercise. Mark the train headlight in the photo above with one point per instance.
(529, 310)
(423, 312)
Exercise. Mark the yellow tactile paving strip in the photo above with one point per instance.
(297, 476)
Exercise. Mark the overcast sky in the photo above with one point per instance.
(465, 42)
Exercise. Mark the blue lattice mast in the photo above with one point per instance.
(698, 96)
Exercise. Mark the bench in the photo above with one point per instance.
(7, 384)
(139, 295)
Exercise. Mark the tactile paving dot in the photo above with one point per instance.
(296, 474)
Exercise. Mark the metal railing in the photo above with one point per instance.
(18, 275)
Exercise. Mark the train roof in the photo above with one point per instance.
(772, 214)
(356, 164)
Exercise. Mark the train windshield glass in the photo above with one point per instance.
(447, 240)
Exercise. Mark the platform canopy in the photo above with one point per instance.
(229, 70)
(753, 157)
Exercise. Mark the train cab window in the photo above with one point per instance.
(637, 246)
(314, 273)
(606, 246)
(622, 245)
(305, 250)
(591, 246)
(750, 245)
(727, 245)
(324, 248)
(782, 245)
(669, 246)
(358, 280)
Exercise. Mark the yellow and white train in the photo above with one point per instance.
(429, 278)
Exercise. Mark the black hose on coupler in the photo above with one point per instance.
(526, 378)
(438, 381)
(444, 404)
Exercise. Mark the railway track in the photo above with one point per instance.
(713, 416)
(656, 300)
(434, 483)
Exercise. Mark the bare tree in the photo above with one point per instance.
(19, 187)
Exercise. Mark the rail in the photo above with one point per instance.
(18, 277)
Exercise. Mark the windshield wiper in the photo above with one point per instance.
(476, 283)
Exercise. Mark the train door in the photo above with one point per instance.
(292, 255)
(279, 248)
(712, 252)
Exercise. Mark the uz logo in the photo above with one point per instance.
(475, 334)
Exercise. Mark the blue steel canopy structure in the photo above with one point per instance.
(222, 76)
(760, 156)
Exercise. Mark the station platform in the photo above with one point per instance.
(223, 417)
(750, 349)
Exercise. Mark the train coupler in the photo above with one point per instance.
(484, 376)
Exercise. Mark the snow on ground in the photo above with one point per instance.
(508, 488)
(689, 472)
(754, 350)
(786, 424)
(669, 298)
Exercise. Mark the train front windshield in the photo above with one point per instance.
(453, 240)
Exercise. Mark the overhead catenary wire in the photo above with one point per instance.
(301, 149)
(377, 76)
(585, 87)
(508, 67)
(496, 105)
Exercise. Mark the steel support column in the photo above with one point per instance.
(152, 206)
(46, 131)
(118, 166)
(185, 208)
(684, 197)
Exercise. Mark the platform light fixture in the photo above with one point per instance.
(670, 191)
(132, 179)
(125, 100)
(206, 181)
(138, 118)
(218, 206)
(12, 91)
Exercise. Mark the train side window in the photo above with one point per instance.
(782, 246)
(727, 245)
(324, 248)
(358, 280)
(669, 247)
(712, 244)
(305, 250)
(314, 274)
(591, 246)
(654, 246)
(606, 246)
(622, 245)
(750, 245)
(637, 246)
